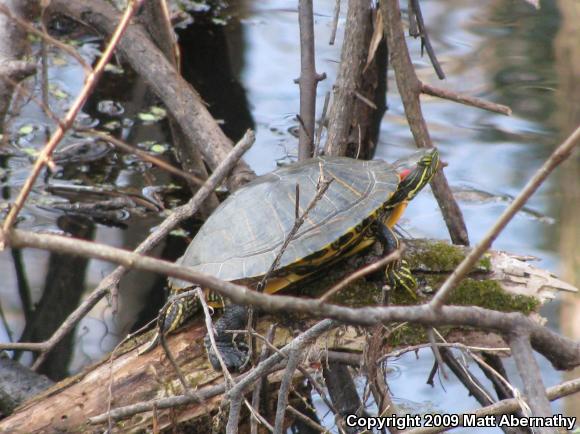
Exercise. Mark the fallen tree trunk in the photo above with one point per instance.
(130, 378)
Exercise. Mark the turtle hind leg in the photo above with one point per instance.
(234, 351)
(173, 315)
(398, 273)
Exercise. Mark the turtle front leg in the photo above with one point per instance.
(398, 272)
(234, 352)
(172, 316)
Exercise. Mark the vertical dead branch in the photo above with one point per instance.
(410, 89)
(308, 80)
(352, 61)
(293, 362)
(342, 389)
(234, 415)
(535, 392)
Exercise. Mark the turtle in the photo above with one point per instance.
(244, 235)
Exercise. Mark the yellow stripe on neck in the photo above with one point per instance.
(394, 216)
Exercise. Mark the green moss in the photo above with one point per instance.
(436, 256)
(439, 256)
(489, 294)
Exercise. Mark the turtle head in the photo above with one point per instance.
(415, 171)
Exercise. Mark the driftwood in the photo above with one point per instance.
(130, 379)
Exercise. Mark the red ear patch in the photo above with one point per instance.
(404, 173)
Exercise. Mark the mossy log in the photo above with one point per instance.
(499, 281)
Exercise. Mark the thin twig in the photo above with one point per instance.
(305, 419)
(471, 383)
(334, 22)
(210, 332)
(169, 354)
(68, 121)
(561, 153)
(256, 394)
(146, 157)
(436, 352)
(465, 99)
(425, 41)
(321, 125)
(293, 362)
(320, 190)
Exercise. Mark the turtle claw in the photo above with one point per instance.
(234, 355)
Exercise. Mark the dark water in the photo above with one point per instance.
(503, 51)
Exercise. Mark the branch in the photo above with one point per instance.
(118, 143)
(529, 371)
(425, 41)
(465, 99)
(352, 61)
(410, 88)
(294, 357)
(308, 80)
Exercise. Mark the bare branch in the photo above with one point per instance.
(535, 392)
(359, 274)
(425, 41)
(465, 99)
(294, 357)
(334, 22)
(410, 88)
(308, 81)
(118, 143)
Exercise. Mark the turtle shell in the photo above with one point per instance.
(243, 236)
